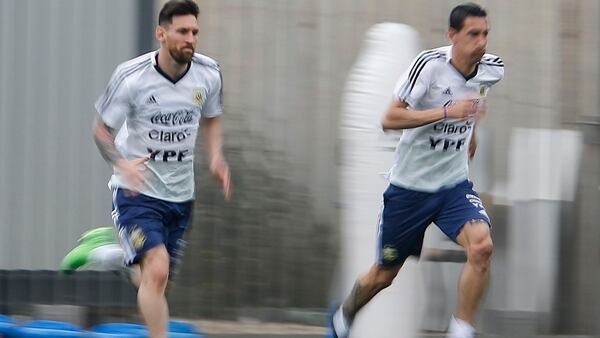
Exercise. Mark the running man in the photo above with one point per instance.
(148, 120)
(437, 103)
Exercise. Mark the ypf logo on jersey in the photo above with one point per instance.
(199, 95)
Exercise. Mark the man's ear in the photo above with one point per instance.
(160, 33)
(451, 34)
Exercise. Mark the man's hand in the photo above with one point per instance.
(481, 107)
(133, 172)
(220, 169)
(462, 109)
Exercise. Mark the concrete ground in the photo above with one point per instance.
(430, 335)
(231, 329)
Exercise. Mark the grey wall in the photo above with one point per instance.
(56, 59)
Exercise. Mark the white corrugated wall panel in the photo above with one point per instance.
(56, 58)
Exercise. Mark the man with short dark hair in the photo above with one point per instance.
(147, 125)
(437, 102)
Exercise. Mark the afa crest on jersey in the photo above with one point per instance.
(484, 88)
(199, 95)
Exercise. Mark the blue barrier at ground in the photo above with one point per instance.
(6, 325)
(177, 329)
(46, 329)
(124, 330)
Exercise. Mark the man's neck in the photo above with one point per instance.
(169, 66)
(465, 66)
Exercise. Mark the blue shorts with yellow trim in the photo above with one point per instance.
(407, 213)
(146, 222)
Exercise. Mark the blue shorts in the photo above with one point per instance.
(407, 213)
(145, 222)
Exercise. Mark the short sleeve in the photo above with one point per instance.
(415, 82)
(213, 106)
(114, 104)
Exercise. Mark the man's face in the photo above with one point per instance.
(471, 40)
(180, 37)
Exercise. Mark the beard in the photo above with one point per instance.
(182, 56)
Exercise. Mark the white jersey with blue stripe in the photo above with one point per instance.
(435, 156)
(154, 115)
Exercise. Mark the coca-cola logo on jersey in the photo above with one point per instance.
(176, 118)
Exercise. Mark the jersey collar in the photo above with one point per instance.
(449, 58)
(449, 54)
(154, 57)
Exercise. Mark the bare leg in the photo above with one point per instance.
(151, 293)
(366, 287)
(135, 275)
(475, 238)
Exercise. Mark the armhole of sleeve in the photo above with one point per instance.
(425, 77)
(129, 94)
(220, 88)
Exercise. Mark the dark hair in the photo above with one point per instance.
(461, 12)
(175, 8)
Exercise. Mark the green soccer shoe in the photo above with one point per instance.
(87, 243)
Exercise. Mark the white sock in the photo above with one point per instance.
(340, 324)
(460, 329)
(109, 257)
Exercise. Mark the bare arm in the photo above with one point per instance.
(104, 136)
(481, 113)
(213, 140)
(398, 116)
(473, 143)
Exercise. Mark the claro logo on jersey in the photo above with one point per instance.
(448, 139)
(169, 136)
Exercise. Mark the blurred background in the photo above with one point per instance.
(273, 253)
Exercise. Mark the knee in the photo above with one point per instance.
(155, 276)
(155, 271)
(383, 282)
(480, 253)
(384, 277)
(159, 274)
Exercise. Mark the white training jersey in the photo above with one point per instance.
(435, 156)
(154, 115)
